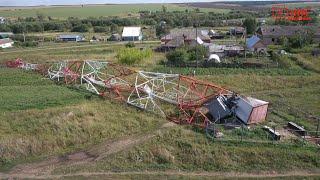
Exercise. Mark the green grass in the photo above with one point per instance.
(22, 90)
(95, 11)
(300, 5)
(186, 151)
(66, 51)
(39, 118)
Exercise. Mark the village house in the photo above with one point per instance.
(215, 35)
(115, 37)
(179, 37)
(6, 43)
(232, 22)
(255, 44)
(70, 38)
(225, 50)
(236, 31)
(132, 34)
(272, 34)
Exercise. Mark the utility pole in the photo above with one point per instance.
(318, 126)
(245, 43)
(197, 44)
(24, 37)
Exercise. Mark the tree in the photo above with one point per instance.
(40, 16)
(162, 30)
(178, 56)
(80, 28)
(164, 9)
(114, 28)
(197, 52)
(250, 24)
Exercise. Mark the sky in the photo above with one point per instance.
(75, 2)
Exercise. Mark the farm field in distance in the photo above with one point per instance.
(95, 10)
(58, 129)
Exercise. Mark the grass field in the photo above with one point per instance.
(40, 119)
(96, 11)
(301, 4)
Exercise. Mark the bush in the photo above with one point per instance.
(27, 44)
(178, 56)
(282, 60)
(130, 45)
(131, 56)
(198, 52)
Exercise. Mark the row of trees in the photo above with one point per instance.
(110, 24)
(297, 41)
(58, 26)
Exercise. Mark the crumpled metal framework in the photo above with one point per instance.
(144, 90)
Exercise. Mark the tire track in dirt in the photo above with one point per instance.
(95, 153)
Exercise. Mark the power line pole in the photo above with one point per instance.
(245, 43)
(318, 126)
(197, 44)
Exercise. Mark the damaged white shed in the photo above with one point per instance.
(250, 110)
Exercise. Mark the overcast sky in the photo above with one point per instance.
(75, 2)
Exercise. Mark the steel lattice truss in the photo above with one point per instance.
(104, 78)
(155, 92)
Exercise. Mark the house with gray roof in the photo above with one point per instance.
(272, 34)
(255, 44)
(187, 34)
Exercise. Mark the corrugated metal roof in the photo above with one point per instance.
(255, 102)
(131, 31)
(6, 33)
(252, 41)
(176, 42)
(188, 34)
(67, 36)
(245, 106)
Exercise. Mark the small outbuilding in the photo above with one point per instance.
(236, 31)
(2, 20)
(132, 34)
(6, 43)
(214, 58)
(4, 35)
(255, 44)
(215, 35)
(71, 38)
(115, 37)
(250, 110)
